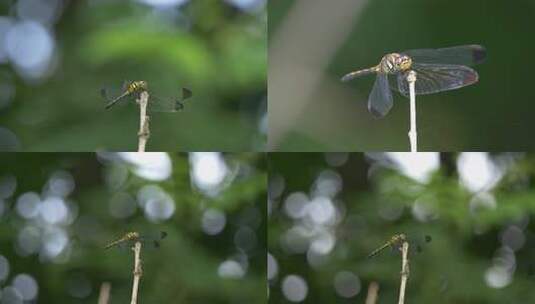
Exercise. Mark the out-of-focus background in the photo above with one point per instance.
(56, 55)
(57, 211)
(328, 211)
(312, 43)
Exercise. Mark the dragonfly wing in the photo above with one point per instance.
(159, 104)
(186, 93)
(433, 78)
(459, 55)
(113, 94)
(419, 244)
(126, 84)
(380, 100)
(125, 246)
(153, 240)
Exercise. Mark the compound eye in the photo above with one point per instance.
(405, 62)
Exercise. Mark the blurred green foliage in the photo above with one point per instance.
(185, 269)
(470, 231)
(211, 47)
(492, 115)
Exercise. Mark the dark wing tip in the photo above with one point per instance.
(479, 54)
(472, 77)
(186, 93)
(376, 113)
(179, 106)
(163, 234)
(428, 238)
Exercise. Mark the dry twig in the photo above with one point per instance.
(413, 136)
(144, 132)
(404, 271)
(104, 295)
(137, 271)
(373, 291)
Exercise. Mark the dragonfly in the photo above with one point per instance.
(131, 90)
(129, 239)
(437, 70)
(396, 241)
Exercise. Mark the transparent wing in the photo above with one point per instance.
(419, 244)
(168, 104)
(380, 100)
(433, 78)
(164, 104)
(458, 55)
(112, 94)
(152, 240)
(125, 247)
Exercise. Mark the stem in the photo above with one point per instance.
(373, 290)
(144, 132)
(404, 271)
(137, 271)
(104, 294)
(413, 136)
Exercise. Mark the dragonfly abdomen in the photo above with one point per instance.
(359, 73)
(376, 251)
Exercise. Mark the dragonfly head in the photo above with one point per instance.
(133, 235)
(404, 62)
(141, 85)
(394, 63)
(401, 237)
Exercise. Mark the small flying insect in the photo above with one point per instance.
(395, 242)
(147, 240)
(131, 90)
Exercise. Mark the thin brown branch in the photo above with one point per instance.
(137, 271)
(404, 271)
(144, 132)
(104, 295)
(373, 293)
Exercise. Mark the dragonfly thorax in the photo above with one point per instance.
(394, 63)
(137, 86)
(132, 235)
(400, 238)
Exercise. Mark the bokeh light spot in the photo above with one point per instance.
(4, 268)
(213, 221)
(27, 205)
(27, 286)
(347, 284)
(294, 288)
(154, 166)
(231, 270)
(272, 267)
